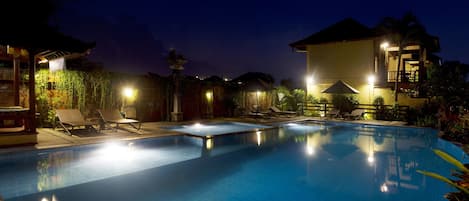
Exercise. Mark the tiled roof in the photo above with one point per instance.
(345, 30)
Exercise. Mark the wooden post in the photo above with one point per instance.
(16, 79)
(31, 120)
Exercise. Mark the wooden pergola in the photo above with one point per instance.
(40, 43)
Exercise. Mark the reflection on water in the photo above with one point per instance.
(31, 172)
(393, 154)
(52, 171)
(308, 161)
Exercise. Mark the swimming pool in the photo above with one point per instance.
(309, 161)
(218, 128)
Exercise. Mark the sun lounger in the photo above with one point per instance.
(334, 113)
(356, 114)
(276, 110)
(73, 118)
(115, 117)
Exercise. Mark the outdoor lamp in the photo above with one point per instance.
(309, 80)
(384, 45)
(128, 92)
(209, 95)
(371, 79)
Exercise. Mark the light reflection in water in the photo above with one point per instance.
(116, 152)
(310, 150)
(384, 188)
(386, 150)
(53, 198)
(258, 137)
(209, 143)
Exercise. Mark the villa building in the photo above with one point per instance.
(366, 59)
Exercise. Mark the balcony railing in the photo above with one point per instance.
(404, 76)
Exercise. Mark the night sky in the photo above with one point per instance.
(228, 38)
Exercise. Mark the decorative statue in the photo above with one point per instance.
(176, 61)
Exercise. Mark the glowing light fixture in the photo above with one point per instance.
(384, 45)
(371, 79)
(209, 95)
(43, 61)
(309, 80)
(128, 92)
(198, 125)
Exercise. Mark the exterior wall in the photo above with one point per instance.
(351, 62)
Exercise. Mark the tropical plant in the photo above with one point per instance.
(379, 108)
(402, 32)
(447, 84)
(462, 172)
(323, 100)
(71, 89)
(344, 103)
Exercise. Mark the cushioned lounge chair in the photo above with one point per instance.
(334, 113)
(115, 117)
(356, 114)
(72, 118)
(276, 110)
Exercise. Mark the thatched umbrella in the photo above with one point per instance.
(340, 87)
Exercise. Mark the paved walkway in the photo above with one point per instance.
(50, 138)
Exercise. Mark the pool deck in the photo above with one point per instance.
(51, 138)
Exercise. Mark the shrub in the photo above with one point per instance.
(380, 109)
(344, 103)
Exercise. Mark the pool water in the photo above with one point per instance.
(212, 129)
(308, 161)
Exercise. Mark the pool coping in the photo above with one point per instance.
(166, 133)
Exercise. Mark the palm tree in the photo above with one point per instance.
(402, 33)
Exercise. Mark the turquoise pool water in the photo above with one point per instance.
(307, 161)
(212, 129)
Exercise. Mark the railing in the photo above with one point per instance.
(404, 76)
(382, 112)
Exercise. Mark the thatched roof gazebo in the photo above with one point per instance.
(340, 87)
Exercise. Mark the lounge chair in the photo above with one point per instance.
(275, 110)
(356, 114)
(334, 113)
(73, 118)
(115, 117)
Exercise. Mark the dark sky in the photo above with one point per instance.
(228, 38)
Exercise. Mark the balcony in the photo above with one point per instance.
(404, 76)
